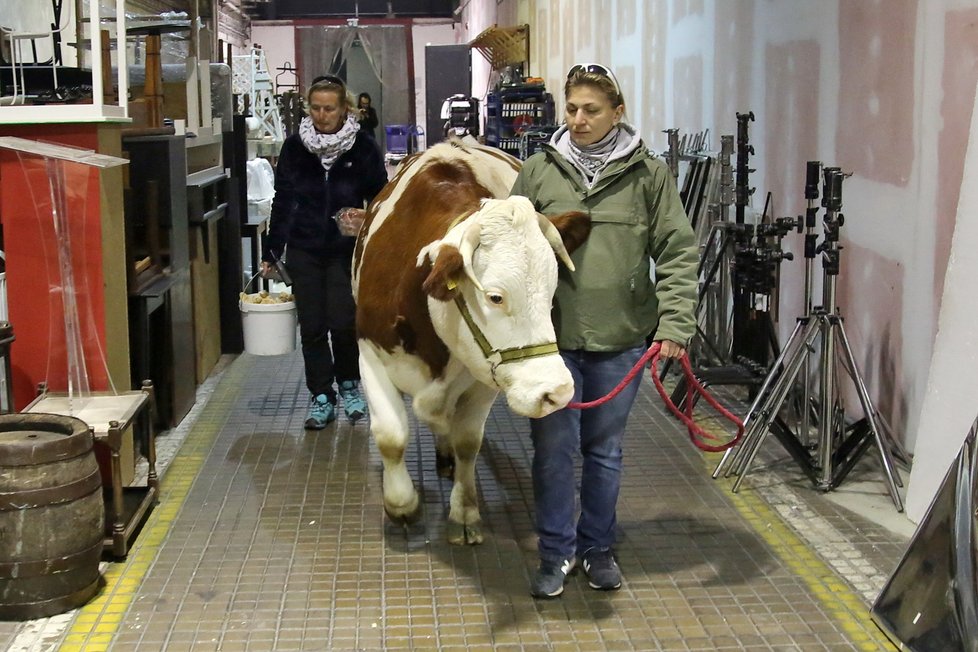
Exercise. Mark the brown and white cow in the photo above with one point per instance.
(454, 290)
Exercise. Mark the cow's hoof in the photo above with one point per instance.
(445, 466)
(404, 519)
(460, 534)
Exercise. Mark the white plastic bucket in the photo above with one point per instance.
(269, 328)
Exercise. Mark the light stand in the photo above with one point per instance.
(753, 254)
(839, 446)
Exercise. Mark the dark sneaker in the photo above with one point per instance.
(321, 413)
(353, 403)
(550, 578)
(601, 569)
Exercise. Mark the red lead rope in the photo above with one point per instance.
(696, 434)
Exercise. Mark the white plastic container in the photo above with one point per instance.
(269, 328)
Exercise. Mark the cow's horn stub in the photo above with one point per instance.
(470, 240)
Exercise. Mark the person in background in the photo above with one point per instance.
(597, 163)
(328, 165)
(366, 114)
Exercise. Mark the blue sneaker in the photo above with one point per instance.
(601, 569)
(353, 403)
(550, 578)
(321, 413)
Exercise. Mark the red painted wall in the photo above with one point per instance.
(34, 286)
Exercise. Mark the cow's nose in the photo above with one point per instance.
(557, 398)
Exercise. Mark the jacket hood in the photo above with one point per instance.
(629, 150)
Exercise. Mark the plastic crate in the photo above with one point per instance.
(397, 139)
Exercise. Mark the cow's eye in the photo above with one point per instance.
(495, 298)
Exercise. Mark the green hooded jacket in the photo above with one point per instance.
(610, 303)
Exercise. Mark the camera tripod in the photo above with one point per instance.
(838, 446)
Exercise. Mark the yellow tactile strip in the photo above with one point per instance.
(845, 605)
(97, 622)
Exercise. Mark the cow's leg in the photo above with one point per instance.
(444, 457)
(435, 405)
(468, 424)
(389, 426)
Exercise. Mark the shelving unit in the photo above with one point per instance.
(161, 329)
(100, 109)
(510, 111)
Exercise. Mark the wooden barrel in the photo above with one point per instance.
(52, 515)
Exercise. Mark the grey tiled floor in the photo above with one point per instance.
(272, 538)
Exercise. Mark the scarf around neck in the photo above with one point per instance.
(328, 147)
(590, 160)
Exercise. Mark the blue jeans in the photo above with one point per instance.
(597, 433)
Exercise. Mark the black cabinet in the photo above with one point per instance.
(161, 336)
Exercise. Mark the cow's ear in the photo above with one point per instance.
(446, 272)
(574, 228)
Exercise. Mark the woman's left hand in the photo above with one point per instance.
(671, 349)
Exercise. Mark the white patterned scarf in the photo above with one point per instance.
(328, 147)
(591, 159)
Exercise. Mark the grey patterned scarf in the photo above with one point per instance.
(328, 147)
(592, 158)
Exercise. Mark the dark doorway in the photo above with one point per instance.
(447, 71)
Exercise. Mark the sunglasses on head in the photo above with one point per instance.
(597, 69)
(329, 79)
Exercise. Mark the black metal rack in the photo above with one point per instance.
(511, 111)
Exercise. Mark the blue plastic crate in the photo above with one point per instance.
(397, 139)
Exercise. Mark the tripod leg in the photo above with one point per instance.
(827, 395)
(761, 393)
(870, 411)
(778, 394)
(796, 343)
(895, 451)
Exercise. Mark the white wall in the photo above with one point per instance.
(884, 90)
(949, 406)
(278, 42)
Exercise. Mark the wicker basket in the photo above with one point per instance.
(503, 46)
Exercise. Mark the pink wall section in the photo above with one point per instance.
(734, 37)
(875, 137)
(958, 81)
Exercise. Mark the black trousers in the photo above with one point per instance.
(327, 320)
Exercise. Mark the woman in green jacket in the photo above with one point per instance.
(597, 163)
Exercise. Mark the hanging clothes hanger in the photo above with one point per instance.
(286, 69)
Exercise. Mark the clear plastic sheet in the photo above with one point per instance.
(65, 264)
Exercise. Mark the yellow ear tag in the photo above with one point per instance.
(451, 284)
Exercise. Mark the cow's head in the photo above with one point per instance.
(490, 292)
